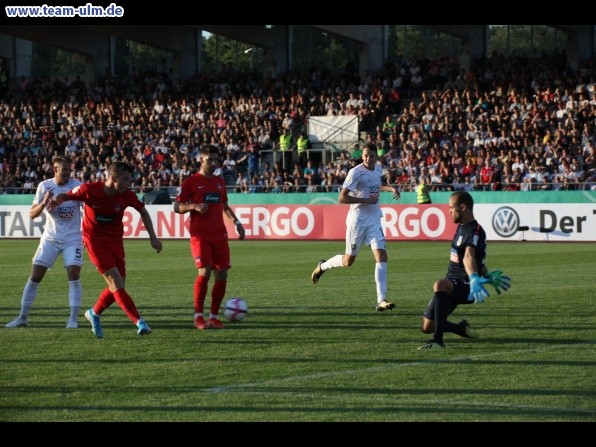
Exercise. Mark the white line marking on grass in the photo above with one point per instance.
(315, 376)
(400, 402)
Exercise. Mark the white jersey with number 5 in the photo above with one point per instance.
(364, 183)
(63, 223)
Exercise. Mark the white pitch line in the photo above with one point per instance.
(397, 401)
(231, 388)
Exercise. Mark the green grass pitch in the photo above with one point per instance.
(305, 353)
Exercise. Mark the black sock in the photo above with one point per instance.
(441, 312)
(455, 328)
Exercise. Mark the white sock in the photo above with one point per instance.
(75, 295)
(381, 280)
(29, 295)
(336, 261)
(198, 314)
(212, 315)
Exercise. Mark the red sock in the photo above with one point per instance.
(105, 300)
(217, 295)
(200, 292)
(127, 305)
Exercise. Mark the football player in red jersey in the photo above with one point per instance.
(204, 196)
(103, 237)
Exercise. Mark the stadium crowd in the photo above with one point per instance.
(514, 124)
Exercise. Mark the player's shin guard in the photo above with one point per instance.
(381, 280)
(105, 300)
(28, 297)
(441, 312)
(126, 303)
(75, 295)
(217, 295)
(200, 292)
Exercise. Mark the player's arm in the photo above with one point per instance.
(37, 209)
(345, 197)
(229, 213)
(56, 201)
(478, 293)
(470, 261)
(182, 208)
(146, 218)
(393, 189)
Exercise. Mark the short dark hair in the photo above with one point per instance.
(209, 149)
(463, 198)
(60, 159)
(371, 147)
(119, 167)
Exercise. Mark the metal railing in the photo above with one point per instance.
(405, 187)
(325, 153)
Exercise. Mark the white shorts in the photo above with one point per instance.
(48, 251)
(371, 235)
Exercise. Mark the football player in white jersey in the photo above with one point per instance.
(62, 234)
(361, 189)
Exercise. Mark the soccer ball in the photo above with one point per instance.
(235, 309)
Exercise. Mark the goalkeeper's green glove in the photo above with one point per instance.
(500, 282)
(478, 293)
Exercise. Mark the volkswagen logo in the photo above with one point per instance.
(505, 221)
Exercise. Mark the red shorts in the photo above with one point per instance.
(105, 256)
(212, 253)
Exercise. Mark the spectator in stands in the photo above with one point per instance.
(241, 183)
(229, 168)
(487, 175)
(256, 185)
(104, 120)
(312, 186)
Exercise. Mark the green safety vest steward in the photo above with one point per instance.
(285, 142)
(422, 195)
(302, 144)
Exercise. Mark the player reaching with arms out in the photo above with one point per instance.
(103, 237)
(204, 196)
(466, 275)
(361, 190)
(61, 234)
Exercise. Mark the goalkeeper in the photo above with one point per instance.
(466, 275)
